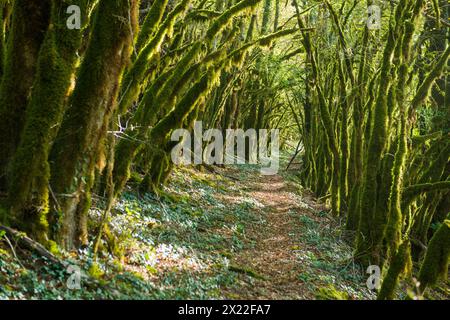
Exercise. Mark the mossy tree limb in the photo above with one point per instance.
(151, 23)
(135, 75)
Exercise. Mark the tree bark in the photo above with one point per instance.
(80, 140)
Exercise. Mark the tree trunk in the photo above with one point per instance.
(80, 140)
(29, 23)
(30, 171)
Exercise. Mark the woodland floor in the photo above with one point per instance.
(226, 234)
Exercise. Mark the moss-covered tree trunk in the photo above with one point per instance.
(135, 75)
(29, 23)
(355, 165)
(376, 146)
(400, 266)
(343, 147)
(79, 143)
(5, 14)
(435, 264)
(30, 171)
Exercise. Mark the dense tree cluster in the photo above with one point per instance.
(375, 129)
(82, 109)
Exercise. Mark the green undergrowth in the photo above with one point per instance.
(180, 244)
(176, 245)
(325, 254)
(329, 268)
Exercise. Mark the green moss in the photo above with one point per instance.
(352, 214)
(343, 147)
(266, 16)
(432, 172)
(376, 145)
(437, 13)
(95, 271)
(246, 271)
(135, 177)
(266, 41)
(160, 134)
(135, 75)
(176, 117)
(178, 79)
(124, 154)
(400, 266)
(75, 152)
(397, 50)
(127, 149)
(424, 89)
(423, 139)
(151, 22)
(30, 171)
(426, 187)
(53, 247)
(436, 262)
(161, 95)
(395, 222)
(225, 18)
(331, 293)
(29, 22)
(251, 28)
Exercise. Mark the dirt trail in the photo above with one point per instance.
(273, 257)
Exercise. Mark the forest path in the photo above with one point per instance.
(273, 259)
